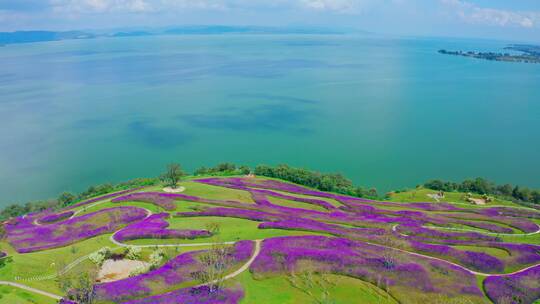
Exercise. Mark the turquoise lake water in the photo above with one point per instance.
(386, 112)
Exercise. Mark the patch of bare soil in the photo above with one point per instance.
(174, 190)
(114, 270)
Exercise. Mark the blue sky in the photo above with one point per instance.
(491, 19)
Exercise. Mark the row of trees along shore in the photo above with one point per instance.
(483, 186)
(332, 182)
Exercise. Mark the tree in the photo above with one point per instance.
(224, 167)
(214, 228)
(66, 198)
(100, 256)
(173, 175)
(3, 232)
(201, 171)
(156, 257)
(245, 170)
(133, 253)
(215, 263)
(535, 196)
(79, 286)
(315, 284)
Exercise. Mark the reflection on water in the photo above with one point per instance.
(386, 112)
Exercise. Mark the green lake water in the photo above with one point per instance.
(386, 112)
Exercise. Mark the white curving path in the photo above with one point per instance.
(31, 289)
(394, 228)
(241, 269)
(483, 232)
(257, 250)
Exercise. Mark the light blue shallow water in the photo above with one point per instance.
(386, 112)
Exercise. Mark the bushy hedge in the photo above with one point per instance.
(482, 186)
(223, 169)
(67, 199)
(332, 182)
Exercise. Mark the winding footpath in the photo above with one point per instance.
(241, 269)
(31, 289)
(394, 228)
(255, 254)
(484, 232)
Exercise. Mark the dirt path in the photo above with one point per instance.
(452, 263)
(394, 228)
(489, 233)
(241, 269)
(248, 263)
(31, 289)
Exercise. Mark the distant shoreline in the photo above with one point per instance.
(530, 54)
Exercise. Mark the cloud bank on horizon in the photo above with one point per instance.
(483, 18)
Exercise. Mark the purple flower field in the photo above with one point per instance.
(363, 261)
(413, 252)
(514, 289)
(25, 236)
(157, 199)
(167, 278)
(198, 295)
(155, 227)
(55, 217)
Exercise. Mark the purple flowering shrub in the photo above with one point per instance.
(520, 254)
(425, 233)
(195, 295)
(155, 198)
(478, 261)
(522, 288)
(155, 227)
(2, 254)
(372, 221)
(26, 237)
(363, 261)
(55, 217)
(173, 275)
(315, 226)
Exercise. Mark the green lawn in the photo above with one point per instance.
(215, 192)
(295, 204)
(13, 295)
(496, 252)
(231, 229)
(48, 262)
(329, 200)
(268, 291)
(421, 195)
(278, 290)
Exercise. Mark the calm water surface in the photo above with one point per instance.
(386, 112)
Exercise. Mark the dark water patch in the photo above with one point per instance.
(263, 117)
(153, 136)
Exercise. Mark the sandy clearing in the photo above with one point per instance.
(114, 270)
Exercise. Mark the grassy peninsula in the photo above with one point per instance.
(234, 234)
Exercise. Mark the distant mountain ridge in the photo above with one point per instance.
(38, 36)
(41, 36)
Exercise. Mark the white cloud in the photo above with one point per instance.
(341, 6)
(99, 6)
(472, 13)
